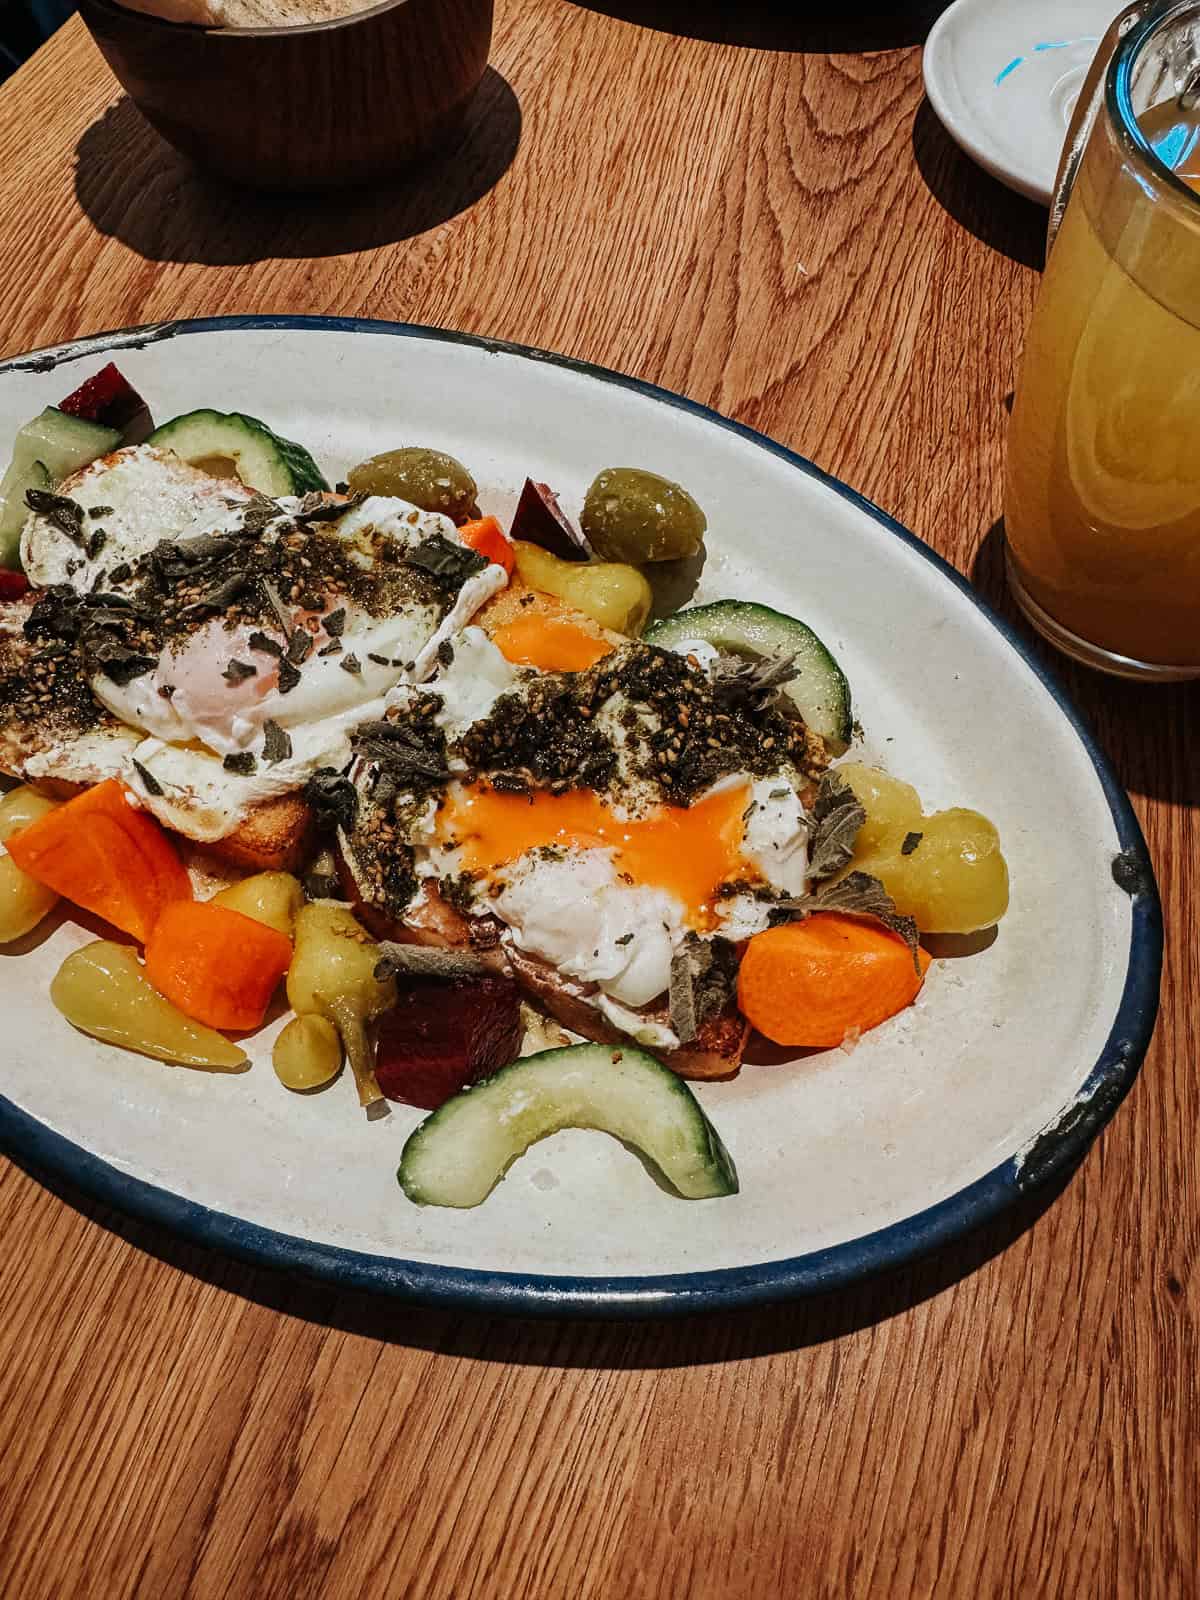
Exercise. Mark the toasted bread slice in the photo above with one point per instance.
(277, 836)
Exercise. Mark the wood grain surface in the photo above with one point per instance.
(758, 209)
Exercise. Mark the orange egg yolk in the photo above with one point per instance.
(689, 851)
(553, 644)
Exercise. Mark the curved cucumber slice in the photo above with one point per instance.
(820, 692)
(229, 444)
(458, 1155)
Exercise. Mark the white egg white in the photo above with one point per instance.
(146, 495)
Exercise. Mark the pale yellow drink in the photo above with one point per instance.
(1102, 507)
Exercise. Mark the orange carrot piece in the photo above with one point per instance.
(487, 537)
(106, 855)
(216, 965)
(813, 983)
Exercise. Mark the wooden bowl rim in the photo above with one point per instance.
(327, 25)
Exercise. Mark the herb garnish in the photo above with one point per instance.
(333, 797)
(239, 671)
(425, 961)
(149, 782)
(406, 752)
(60, 510)
(703, 979)
(289, 677)
(452, 562)
(299, 646)
(242, 761)
(277, 743)
(857, 895)
(911, 841)
(277, 606)
(350, 663)
(335, 623)
(837, 816)
(264, 642)
(745, 685)
(256, 513)
(315, 508)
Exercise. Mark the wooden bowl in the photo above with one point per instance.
(309, 107)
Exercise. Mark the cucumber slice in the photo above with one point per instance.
(231, 445)
(820, 693)
(45, 451)
(458, 1155)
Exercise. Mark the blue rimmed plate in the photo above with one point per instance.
(850, 1161)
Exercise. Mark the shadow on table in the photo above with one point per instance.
(136, 188)
(802, 25)
(1147, 730)
(698, 1340)
(1014, 226)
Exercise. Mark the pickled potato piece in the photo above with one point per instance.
(426, 478)
(103, 991)
(953, 879)
(612, 594)
(23, 900)
(272, 898)
(333, 976)
(632, 515)
(308, 1053)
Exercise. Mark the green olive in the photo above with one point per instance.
(635, 516)
(426, 478)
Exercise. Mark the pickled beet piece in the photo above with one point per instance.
(109, 398)
(540, 520)
(444, 1033)
(13, 585)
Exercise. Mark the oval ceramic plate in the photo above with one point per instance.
(849, 1161)
(1004, 78)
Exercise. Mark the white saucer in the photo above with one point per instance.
(1004, 76)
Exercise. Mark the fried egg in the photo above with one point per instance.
(232, 715)
(607, 887)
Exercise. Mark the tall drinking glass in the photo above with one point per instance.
(1102, 502)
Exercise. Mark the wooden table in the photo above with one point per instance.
(784, 233)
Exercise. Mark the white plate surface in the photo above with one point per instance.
(1004, 76)
(829, 1149)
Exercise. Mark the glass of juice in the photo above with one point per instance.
(1102, 499)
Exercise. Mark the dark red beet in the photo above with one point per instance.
(539, 519)
(107, 397)
(13, 585)
(445, 1033)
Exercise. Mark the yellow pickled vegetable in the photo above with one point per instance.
(23, 900)
(945, 870)
(103, 990)
(613, 594)
(308, 1053)
(333, 976)
(272, 898)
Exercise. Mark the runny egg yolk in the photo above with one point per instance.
(688, 851)
(553, 644)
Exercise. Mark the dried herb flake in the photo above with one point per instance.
(277, 743)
